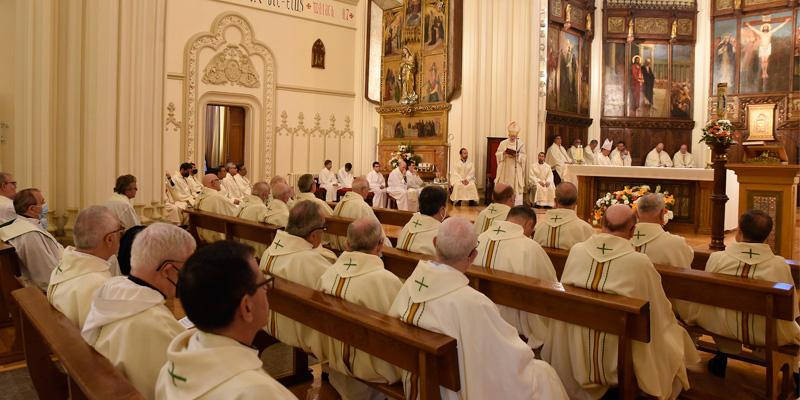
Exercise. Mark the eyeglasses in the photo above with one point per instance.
(173, 262)
(323, 227)
(269, 283)
(120, 230)
(10, 183)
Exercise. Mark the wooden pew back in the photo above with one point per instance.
(47, 332)
(388, 216)
(9, 310)
(232, 227)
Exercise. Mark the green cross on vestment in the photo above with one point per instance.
(416, 223)
(604, 249)
(555, 218)
(639, 235)
(175, 376)
(350, 263)
(491, 209)
(498, 230)
(421, 284)
(278, 244)
(750, 253)
(59, 268)
(269, 208)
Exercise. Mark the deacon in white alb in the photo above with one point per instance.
(328, 181)
(561, 228)
(307, 188)
(194, 181)
(120, 202)
(8, 188)
(683, 159)
(502, 201)
(603, 158)
(586, 359)
(228, 306)
(658, 157)
(590, 153)
(128, 321)
(358, 276)
(417, 236)
(407, 198)
(229, 185)
(621, 156)
(377, 185)
(462, 179)
(211, 200)
(558, 157)
(180, 194)
(345, 176)
(542, 177)
(277, 210)
(254, 208)
(245, 187)
(507, 246)
(353, 206)
(493, 362)
(511, 157)
(413, 180)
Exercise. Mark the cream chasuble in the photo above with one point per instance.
(504, 247)
(73, 283)
(413, 180)
(511, 170)
(619, 159)
(206, 366)
(658, 159)
(310, 197)
(586, 359)
(352, 206)
(213, 201)
(603, 160)
(589, 156)
(329, 182)
(680, 160)
(121, 206)
(417, 236)
(377, 185)
(277, 213)
(542, 177)
(292, 258)
(361, 279)
(231, 188)
(38, 251)
(561, 229)
(747, 260)
(6, 209)
(194, 184)
(129, 325)
(345, 178)
(407, 198)
(558, 158)
(495, 212)
(253, 209)
(181, 190)
(463, 171)
(493, 362)
(243, 183)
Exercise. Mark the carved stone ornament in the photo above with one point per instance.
(557, 8)
(231, 65)
(781, 109)
(408, 110)
(616, 24)
(171, 120)
(685, 27)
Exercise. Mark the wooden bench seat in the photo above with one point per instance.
(9, 310)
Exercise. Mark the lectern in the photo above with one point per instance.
(773, 189)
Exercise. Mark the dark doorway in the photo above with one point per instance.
(225, 134)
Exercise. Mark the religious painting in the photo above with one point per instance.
(568, 72)
(586, 64)
(390, 84)
(433, 25)
(766, 50)
(724, 52)
(413, 13)
(647, 81)
(433, 83)
(552, 68)
(682, 71)
(761, 122)
(430, 127)
(614, 65)
(797, 53)
(392, 36)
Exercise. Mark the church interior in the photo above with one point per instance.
(515, 137)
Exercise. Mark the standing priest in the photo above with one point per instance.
(462, 176)
(511, 162)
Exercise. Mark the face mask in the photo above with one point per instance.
(194, 171)
(185, 174)
(43, 216)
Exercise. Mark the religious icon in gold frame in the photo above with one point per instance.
(761, 121)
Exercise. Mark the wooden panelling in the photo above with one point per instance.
(641, 136)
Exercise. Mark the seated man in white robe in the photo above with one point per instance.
(38, 251)
(377, 185)
(462, 180)
(589, 370)
(128, 321)
(407, 198)
(358, 276)
(120, 202)
(194, 180)
(225, 296)
(254, 208)
(8, 189)
(345, 176)
(603, 158)
(276, 180)
(621, 156)
(502, 201)
(507, 246)
(211, 200)
(658, 157)
(590, 153)
(293, 256)
(180, 194)
(277, 210)
(494, 363)
(85, 267)
(683, 159)
(558, 158)
(328, 181)
(242, 181)
(417, 236)
(413, 180)
(229, 185)
(307, 188)
(561, 228)
(353, 206)
(542, 177)
(747, 257)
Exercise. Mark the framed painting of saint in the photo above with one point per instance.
(413, 13)
(647, 81)
(393, 32)
(433, 81)
(586, 73)
(553, 35)
(433, 30)
(422, 128)
(614, 69)
(390, 82)
(766, 50)
(682, 72)
(568, 72)
(724, 52)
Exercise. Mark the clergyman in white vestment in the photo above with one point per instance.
(254, 208)
(462, 179)
(229, 186)
(128, 321)
(345, 176)
(85, 267)
(180, 187)
(353, 206)
(590, 153)
(511, 156)
(603, 158)
(328, 181)
(120, 201)
(493, 362)
(277, 210)
(377, 185)
(413, 180)
(307, 188)
(658, 157)
(561, 228)
(8, 188)
(407, 198)
(214, 361)
(245, 187)
(586, 360)
(542, 177)
(417, 235)
(503, 200)
(212, 200)
(558, 157)
(621, 156)
(683, 159)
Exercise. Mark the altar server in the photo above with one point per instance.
(683, 159)
(417, 236)
(180, 194)
(493, 362)
(462, 179)
(586, 359)
(413, 180)
(307, 188)
(377, 185)
(502, 201)
(542, 177)
(407, 198)
(511, 157)
(328, 181)
(120, 202)
(658, 157)
(561, 228)
(558, 158)
(211, 200)
(345, 176)
(603, 158)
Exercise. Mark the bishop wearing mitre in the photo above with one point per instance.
(462, 177)
(511, 162)
(603, 157)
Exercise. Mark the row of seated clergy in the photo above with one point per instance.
(503, 198)
(211, 199)
(462, 179)
(307, 187)
(234, 181)
(354, 206)
(182, 190)
(343, 179)
(377, 185)
(401, 190)
(417, 235)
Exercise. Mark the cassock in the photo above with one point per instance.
(277, 213)
(310, 197)
(121, 206)
(561, 229)
(495, 212)
(73, 283)
(511, 170)
(463, 171)
(202, 365)
(292, 258)
(658, 159)
(590, 156)
(586, 360)
(377, 185)
(603, 160)
(6, 209)
(361, 279)
(504, 247)
(417, 236)
(352, 206)
(194, 184)
(253, 209)
(243, 183)
(747, 260)
(620, 160)
(558, 158)
(680, 160)
(129, 325)
(345, 178)
(211, 200)
(329, 182)
(407, 198)
(542, 177)
(182, 191)
(493, 362)
(230, 189)
(38, 251)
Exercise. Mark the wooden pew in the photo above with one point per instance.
(388, 216)
(9, 310)
(432, 356)
(701, 258)
(47, 332)
(232, 227)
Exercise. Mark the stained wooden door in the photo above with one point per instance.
(233, 147)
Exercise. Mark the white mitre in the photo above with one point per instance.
(607, 145)
(513, 127)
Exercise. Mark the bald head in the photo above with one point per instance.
(566, 195)
(619, 220)
(455, 242)
(361, 186)
(281, 191)
(211, 181)
(261, 190)
(503, 194)
(651, 208)
(275, 180)
(365, 235)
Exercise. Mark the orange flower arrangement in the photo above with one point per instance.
(629, 196)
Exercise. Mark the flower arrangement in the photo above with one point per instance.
(718, 132)
(404, 152)
(629, 196)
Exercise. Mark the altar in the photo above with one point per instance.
(691, 187)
